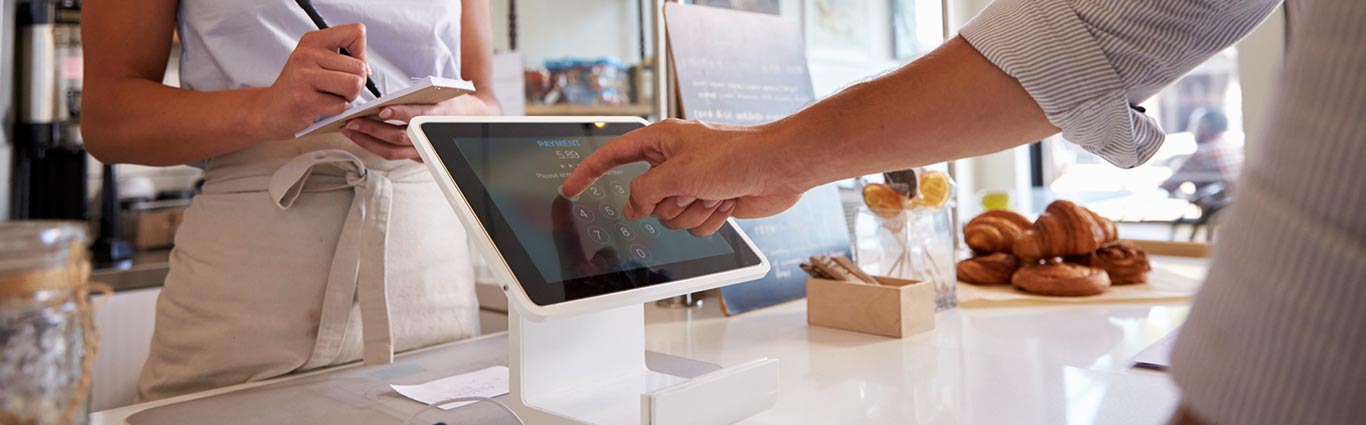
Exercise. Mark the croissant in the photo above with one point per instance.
(1064, 229)
(990, 269)
(1061, 279)
(1124, 263)
(994, 231)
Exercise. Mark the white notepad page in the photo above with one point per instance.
(425, 90)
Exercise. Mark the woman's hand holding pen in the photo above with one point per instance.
(390, 141)
(316, 81)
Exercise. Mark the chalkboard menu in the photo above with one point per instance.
(737, 67)
(815, 226)
(747, 68)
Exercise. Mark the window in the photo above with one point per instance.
(1192, 112)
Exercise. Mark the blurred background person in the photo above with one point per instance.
(1216, 160)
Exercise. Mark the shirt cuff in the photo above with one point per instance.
(1051, 52)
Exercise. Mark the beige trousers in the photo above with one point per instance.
(304, 254)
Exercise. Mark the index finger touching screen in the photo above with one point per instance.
(566, 242)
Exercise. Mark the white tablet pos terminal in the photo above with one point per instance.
(577, 273)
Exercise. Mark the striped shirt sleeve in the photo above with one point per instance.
(1087, 62)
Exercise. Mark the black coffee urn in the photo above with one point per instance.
(50, 174)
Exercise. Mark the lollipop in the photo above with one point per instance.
(935, 190)
(883, 200)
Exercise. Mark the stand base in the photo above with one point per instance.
(590, 369)
(681, 302)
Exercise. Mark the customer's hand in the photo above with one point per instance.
(700, 174)
(390, 141)
(316, 81)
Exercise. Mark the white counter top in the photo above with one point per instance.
(1036, 365)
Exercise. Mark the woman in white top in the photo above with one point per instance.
(301, 253)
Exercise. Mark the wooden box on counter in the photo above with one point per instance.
(897, 308)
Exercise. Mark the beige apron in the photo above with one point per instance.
(304, 254)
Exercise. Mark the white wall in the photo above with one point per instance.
(125, 323)
(830, 74)
(549, 29)
(1260, 56)
(1003, 171)
(591, 28)
(962, 11)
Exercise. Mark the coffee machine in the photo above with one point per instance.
(49, 178)
(7, 46)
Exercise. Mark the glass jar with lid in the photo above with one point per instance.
(47, 336)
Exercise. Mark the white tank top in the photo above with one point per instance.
(244, 43)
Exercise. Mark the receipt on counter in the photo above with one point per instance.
(490, 382)
(1159, 355)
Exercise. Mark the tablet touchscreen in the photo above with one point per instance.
(562, 249)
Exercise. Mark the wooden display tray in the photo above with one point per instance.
(898, 308)
(1173, 249)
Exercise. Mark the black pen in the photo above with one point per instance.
(312, 13)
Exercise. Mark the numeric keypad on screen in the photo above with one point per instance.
(605, 223)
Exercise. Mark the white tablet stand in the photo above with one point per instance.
(590, 369)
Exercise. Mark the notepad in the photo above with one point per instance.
(422, 91)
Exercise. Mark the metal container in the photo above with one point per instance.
(152, 224)
(47, 337)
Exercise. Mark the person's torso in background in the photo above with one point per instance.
(1218, 161)
(244, 43)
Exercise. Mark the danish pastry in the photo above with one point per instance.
(990, 269)
(995, 231)
(1055, 277)
(1125, 263)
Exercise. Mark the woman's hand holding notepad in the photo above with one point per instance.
(428, 90)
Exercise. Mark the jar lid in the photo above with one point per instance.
(42, 255)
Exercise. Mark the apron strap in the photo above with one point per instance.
(288, 182)
(373, 295)
(358, 263)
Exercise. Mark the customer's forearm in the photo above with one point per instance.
(951, 104)
(145, 122)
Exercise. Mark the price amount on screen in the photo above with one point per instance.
(564, 154)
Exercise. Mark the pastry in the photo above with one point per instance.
(1125, 263)
(1055, 277)
(995, 231)
(1109, 231)
(990, 269)
(1064, 229)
